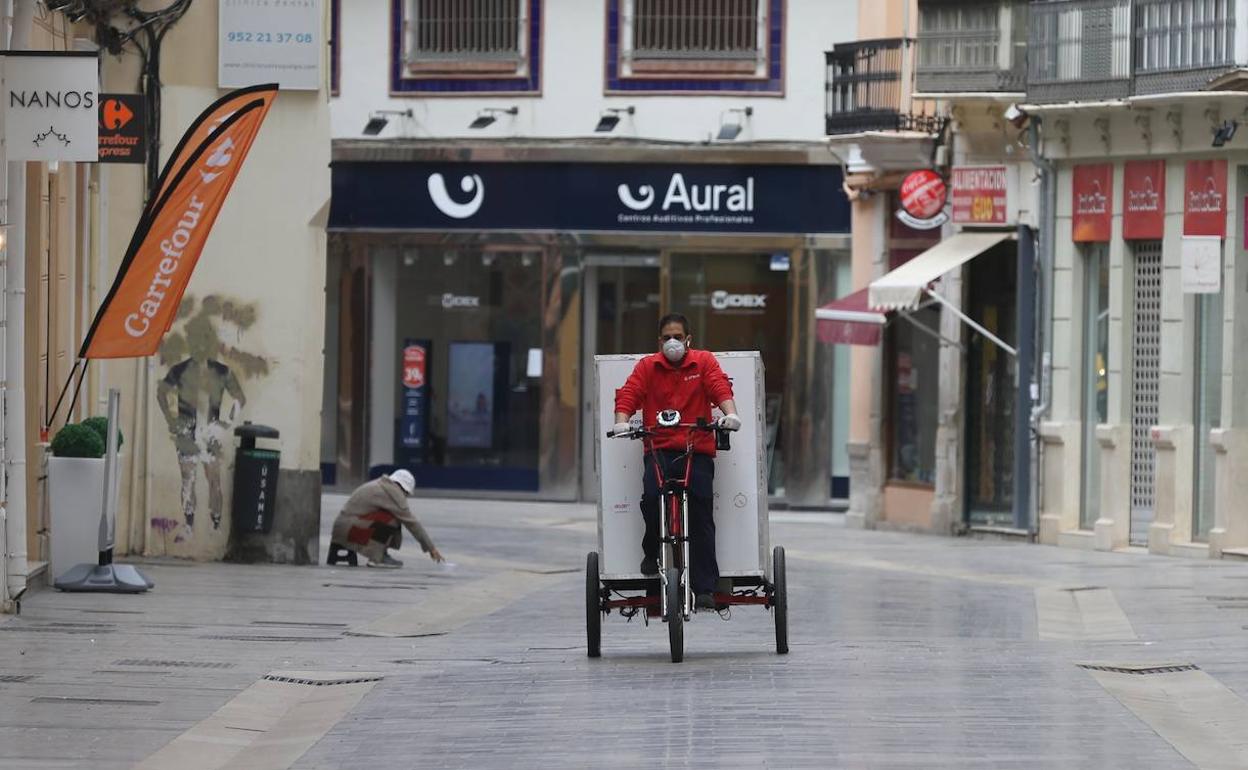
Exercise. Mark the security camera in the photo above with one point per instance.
(1016, 115)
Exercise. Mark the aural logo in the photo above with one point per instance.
(471, 183)
(691, 197)
(636, 204)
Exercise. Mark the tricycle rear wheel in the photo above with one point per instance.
(593, 606)
(780, 600)
(675, 615)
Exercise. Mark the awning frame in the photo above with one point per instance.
(966, 319)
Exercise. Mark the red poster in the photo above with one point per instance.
(1204, 198)
(414, 366)
(980, 195)
(1093, 208)
(1144, 200)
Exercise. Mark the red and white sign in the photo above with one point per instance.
(981, 195)
(1204, 198)
(414, 366)
(923, 194)
(1144, 200)
(1093, 208)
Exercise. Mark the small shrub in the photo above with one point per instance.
(100, 426)
(77, 440)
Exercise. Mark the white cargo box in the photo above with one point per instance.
(741, 538)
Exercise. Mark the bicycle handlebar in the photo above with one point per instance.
(642, 432)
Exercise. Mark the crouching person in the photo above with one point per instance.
(372, 520)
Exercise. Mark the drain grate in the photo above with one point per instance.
(296, 624)
(1140, 670)
(319, 682)
(152, 663)
(95, 701)
(374, 587)
(15, 678)
(54, 630)
(250, 638)
(114, 612)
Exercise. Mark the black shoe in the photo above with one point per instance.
(649, 566)
(704, 601)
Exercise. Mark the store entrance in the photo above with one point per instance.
(622, 304)
(990, 389)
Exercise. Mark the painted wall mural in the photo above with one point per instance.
(201, 397)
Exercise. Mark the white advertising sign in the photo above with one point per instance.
(1202, 264)
(741, 535)
(51, 110)
(270, 41)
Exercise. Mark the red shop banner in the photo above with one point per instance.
(980, 195)
(1093, 203)
(1204, 198)
(1144, 200)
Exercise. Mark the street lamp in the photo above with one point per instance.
(486, 117)
(377, 120)
(730, 128)
(611, 118)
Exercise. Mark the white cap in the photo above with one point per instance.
(404, 479)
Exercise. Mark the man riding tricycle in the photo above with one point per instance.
(704, 532)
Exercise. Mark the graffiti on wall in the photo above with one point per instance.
(201, 397)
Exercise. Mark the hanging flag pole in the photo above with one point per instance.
(142, 302)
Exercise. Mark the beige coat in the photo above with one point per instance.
(379, 502)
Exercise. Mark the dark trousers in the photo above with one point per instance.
(704, 568)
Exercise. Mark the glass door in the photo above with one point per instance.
(1208, 412)
(1095, 376)
(622, 303)
(990, 383)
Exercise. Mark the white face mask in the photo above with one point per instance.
(674, 350)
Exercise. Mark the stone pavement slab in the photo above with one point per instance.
(908, 651)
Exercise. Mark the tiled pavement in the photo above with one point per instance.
(907, 652)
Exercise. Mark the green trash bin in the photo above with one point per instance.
(255, 480)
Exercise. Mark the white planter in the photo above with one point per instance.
(75, 499)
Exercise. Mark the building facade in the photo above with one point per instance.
(934, 438)
(537, 189)
(1111, 127)
(247, 309)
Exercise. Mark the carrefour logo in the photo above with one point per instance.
(470, 183)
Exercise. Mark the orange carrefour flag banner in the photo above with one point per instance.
(171, 234)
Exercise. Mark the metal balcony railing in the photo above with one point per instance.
(869, 86)
(972, 47)
(1181, 44)
(1079, 50)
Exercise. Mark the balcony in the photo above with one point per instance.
(869, 87)
(1080, 50)
(977, 47)
(1180, 45)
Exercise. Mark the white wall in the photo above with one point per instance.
(573, 80)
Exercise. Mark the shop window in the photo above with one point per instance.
(913, 396)
(1208, 409)
(466, 46)
(694, 45)
(740, 302)
(1095, 376)
(471, 418)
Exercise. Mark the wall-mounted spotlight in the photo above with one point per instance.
(377, 120)
(1224, 133)
(487, 115)
(611, 118)
(730, 127)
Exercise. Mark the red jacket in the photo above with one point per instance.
(691, 388)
